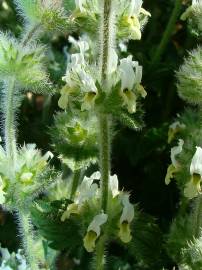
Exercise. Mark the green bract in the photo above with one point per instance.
(50, 14)
(21, 183)
(75, 139)
(194, 15)
(24, 63)
(189, 78)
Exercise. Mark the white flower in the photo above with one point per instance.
(88, 86)
(86, 190)
(80, 5)
(174, 167)
(129, 78)
(114, 185)
(82, 45)
(127, 73)
(193, 187)
(131, 17)
(93, 231)
(125, 219)
(175, 151)
(196, 163)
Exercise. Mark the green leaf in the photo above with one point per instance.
(128, 120)
(60, 235)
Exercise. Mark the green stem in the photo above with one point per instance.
(9, 131)
(106, 37)
(11, 150)
(75, 182)
(197, 216)
(26, 230)
(100, 259)
(106, 40)
(167, 33)
(104, 157)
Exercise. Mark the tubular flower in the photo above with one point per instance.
(94, 231)
(134, 18)
(125, 220)
(174, 167)
(79, 79)
(88, 86)
(174, 128)
(129, 80)
(114, 185)
(193, 187)
(86, 191)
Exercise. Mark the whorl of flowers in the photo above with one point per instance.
(24, 180)
(88, 198)
(24, 63)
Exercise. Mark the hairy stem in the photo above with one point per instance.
(197, 216)
(9, 131)
(100, 259)
(25, 227)
(106, 39)
(104, 119)
(75, 182)
(104, 157)
(167, 33)
(26, 231)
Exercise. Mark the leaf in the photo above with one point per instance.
(128, 120)
(60, 235)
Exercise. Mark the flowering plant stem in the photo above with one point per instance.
(197, 218)
(104, 125)
(104, 157)
(26, 230)
(9, 132)
(75, 182)
(100, 259)
(167, 33)
(11, 150)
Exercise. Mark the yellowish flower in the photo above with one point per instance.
(94, 231)
(89, 101)
(132, 18)
(65, 92)
(174, 167)
(129, 79)
(193, 187)
(174, 129)
(125, 220)
(71, 209)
